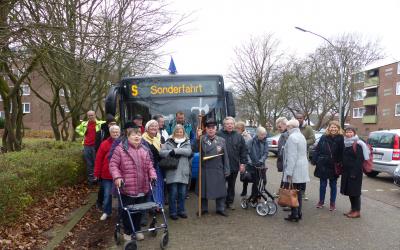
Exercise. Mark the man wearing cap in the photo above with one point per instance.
(138, 121)
(88, 129)
(214, 170)
(237, 153)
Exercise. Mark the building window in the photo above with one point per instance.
(26, 107)
(26, 90)
(398, 68)
(65, 108)
(1, 99)
(2, 114)
(397, 110)
(359, 95)
(359, 77)
(397, 88)
(358, 112)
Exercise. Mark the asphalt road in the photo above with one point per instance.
(378, 227)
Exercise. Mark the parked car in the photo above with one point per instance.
(396, 176)
(273, 143)
(318, 135)
(386, 151)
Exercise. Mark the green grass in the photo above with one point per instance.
(41, 167)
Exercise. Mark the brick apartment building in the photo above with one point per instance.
(376, 102)
(36, 113)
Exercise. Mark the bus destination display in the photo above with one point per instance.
(181, 88)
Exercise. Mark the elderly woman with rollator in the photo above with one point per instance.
(257, 155)
(295, 165)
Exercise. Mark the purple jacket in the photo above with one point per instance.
(134, 166)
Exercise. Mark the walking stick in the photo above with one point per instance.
(199, 178)
(200, 125)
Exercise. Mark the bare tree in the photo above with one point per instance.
(254, 70)
(355, 53)
(93, 43)
(16, 63)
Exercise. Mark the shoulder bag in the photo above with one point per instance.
(288, 197)
(337, 165)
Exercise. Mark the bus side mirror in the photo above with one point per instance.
(230, 104)
(111, 101)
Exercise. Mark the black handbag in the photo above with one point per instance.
(246, 177)
(169, 163)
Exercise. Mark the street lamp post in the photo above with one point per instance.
(341, 71)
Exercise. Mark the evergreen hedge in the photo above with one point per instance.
(39, 169)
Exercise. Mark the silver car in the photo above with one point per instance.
(386, 151)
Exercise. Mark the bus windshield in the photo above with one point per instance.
(166, 95)
(168, 106)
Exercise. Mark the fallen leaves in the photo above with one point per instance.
(29, 231)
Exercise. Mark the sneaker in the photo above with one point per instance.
(139, 236)
(103, 216)
(305, 197)
(127, 237)
(332, 207)
(320, 205)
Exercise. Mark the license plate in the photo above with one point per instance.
(377, 157)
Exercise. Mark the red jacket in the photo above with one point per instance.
(134, 166)
(101, 169)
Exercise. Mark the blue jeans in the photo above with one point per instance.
(322, 189)
(107, 198)
(89, 154)
(176, 192)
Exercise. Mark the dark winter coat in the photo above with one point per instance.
(213, 171)
(257, 153)
(102, 135)
(328, 151)
(281, 146)
(352, 171)
(236, 148)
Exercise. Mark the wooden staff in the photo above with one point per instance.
(200, 125)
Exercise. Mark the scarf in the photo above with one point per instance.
(179, 141)
(348, 142)
(155, 141)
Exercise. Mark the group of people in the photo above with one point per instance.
(338, 153)
(132, 159)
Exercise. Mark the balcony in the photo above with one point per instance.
(372, 100)
(370, 119)
(373, 81)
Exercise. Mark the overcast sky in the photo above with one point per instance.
(219, 26)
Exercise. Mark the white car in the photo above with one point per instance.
(273, 143)
(386, 151)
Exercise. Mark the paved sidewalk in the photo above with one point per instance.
(320, 229)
